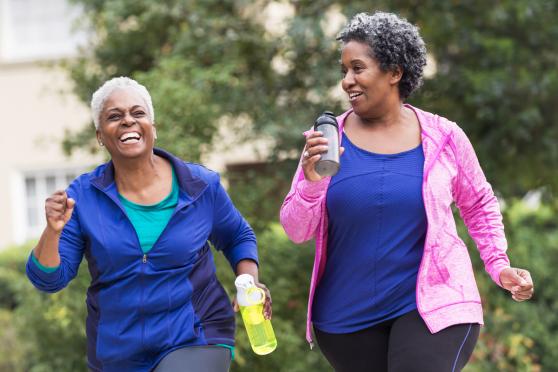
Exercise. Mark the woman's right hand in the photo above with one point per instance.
(58, 210)
(316, 144)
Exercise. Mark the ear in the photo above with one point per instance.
(99, 139)
(154, 131)
(396, 75)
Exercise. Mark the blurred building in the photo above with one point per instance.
(35, 111)
(37, 107)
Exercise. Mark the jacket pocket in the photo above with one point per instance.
(447, 277)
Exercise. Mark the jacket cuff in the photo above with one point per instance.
(44, 268)
(42, 274)
(497, 269)
(245, 251)
(313, 189)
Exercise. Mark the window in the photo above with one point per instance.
(39, 186)
(33, 30)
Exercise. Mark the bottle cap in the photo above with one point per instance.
(247, 292)
(327, 117)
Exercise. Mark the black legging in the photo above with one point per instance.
(403, 344)
(210, 358)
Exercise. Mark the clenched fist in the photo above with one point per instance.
(58, 209)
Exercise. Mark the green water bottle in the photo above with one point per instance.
(251, 300)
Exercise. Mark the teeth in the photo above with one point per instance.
(130, 135)
(354, 95)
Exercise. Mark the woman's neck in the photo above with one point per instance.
(388, 116)
(133, 175)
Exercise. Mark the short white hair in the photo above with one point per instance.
(100, 96)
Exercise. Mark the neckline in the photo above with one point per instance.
(378, 154)
(171, 195)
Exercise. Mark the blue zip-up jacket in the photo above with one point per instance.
(141, 307)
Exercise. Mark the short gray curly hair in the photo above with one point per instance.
(100, 96)
(393, 42)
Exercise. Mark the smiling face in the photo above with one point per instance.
(368, 86)
(125, 127)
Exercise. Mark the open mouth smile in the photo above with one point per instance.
(354, 95)
(130, 138)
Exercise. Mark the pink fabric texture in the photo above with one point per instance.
(446, 291)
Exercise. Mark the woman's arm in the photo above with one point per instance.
(302, 209)
(56, 258)
(480, 211)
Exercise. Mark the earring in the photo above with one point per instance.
(101, 143)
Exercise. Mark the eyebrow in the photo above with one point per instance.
(351, 61)
(118, 109)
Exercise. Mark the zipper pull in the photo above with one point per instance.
(144, 260)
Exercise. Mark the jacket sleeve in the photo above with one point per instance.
(70, 248)
(230, 233)
(302, 208)
(479, 207)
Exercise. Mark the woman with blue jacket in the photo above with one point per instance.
(144, 221)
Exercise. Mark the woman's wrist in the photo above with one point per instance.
(247, 266)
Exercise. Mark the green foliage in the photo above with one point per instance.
(521, 336)
(257, 190)
(199, 60)
(43, 332)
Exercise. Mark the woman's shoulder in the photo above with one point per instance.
(197, 171)
(188, 170)
(436, 124)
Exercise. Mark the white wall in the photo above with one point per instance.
(34, 115)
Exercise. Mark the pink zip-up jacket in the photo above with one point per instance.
(446, 291)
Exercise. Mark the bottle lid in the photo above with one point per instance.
(327, 117)
(247, 292)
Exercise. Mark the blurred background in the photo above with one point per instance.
(234, 85)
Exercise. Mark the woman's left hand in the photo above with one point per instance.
(267, 311)
(518, 282)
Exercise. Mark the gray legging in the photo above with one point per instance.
(209, 358)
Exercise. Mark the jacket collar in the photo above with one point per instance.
(191, 187)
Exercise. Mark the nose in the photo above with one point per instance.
(348, 80)
(128, 119)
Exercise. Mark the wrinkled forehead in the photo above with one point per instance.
(124, 98)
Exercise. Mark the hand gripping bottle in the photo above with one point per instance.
(251, 301)
(328, 165)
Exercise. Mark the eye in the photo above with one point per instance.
(343, 71)
(139, 113)
(358, 69)
(113, 117)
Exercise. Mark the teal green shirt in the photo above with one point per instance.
(149, 221)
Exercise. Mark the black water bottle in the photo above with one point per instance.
(328, 165)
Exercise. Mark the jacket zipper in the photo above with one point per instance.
(426, 238)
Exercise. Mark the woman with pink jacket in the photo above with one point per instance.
(393, 287)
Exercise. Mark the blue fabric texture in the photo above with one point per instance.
(377, 226)
(142, 306)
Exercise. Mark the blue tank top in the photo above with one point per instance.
(376, 231)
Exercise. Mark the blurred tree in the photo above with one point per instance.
(201, 60)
